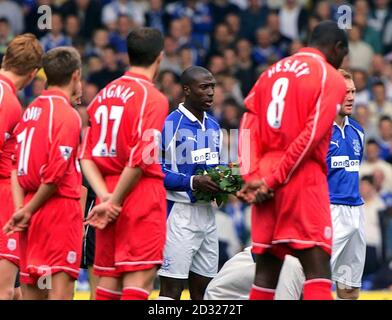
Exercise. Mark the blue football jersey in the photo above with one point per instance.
(188, 145)
(344, 158)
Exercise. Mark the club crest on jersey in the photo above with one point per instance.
(71, 257)
(356, 147)
(11, 244)
(66, 152)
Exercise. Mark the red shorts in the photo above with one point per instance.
(9, 245)
(53, 241)
(135, 241)
(298, 217)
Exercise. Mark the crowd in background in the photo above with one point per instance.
(236, 40)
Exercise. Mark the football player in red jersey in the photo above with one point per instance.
(292, 108)
(120, 161)
(21, 62)
(50, 182)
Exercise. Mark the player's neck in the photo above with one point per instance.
(148, 72)
(340, 120)
(199, 114)
(18, 81)
(66, 90)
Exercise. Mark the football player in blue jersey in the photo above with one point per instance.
(191, 141)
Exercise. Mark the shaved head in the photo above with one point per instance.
(192, 74)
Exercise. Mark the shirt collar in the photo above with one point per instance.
(346, 122)
(55, 92)
(312, 51)
(189, 114)
(9, 82)
(137, 75)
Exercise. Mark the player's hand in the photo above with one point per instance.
(263, 193)
(205, 184)
(18, 222)
(248, 191)
(255, 192)
(102, 215)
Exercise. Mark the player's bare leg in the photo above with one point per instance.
(346, 293)
(93, 281)
(32, 292)
(316, 264)
(8, 272)
(266, 279)
(171, 288)
(137, 285)
(63, 286)
(197, 285)
(18, 294)
(108, 288)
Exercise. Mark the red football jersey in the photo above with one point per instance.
(10, 113)
(292, 108)
(126, 119)
(48, 138)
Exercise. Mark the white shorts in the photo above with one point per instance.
(191, 242)
(348, 245)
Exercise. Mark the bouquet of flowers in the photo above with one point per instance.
(227, 178)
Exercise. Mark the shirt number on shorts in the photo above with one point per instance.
(276, 106)
(24, 139)
(103, 117)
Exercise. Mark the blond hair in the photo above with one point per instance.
(345, 74)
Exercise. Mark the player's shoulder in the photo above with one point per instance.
(8, 97)
(175, 116)
(213, 122)
(356, 125)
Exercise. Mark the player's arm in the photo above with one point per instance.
(17, 191)
(90, 169)
(318, 124)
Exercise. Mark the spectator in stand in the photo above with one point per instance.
(171, 60)
(362, 115)
(156, 17)
(55, 38)
(254, 17)
(220, 9)
(72, 29)
(99, 42)
(293, 19)
(113, 10)
(360, 53)
(233, 22)
(360, 80)
(373, 162)
(110, 71)
(265, 53)
(369, 34)
(372, 207)
(222, 39)
(88, 12)
(6, 35)
(13, 13)
(200, 15)
(277, 38)
(378, 179)
(380, 19)
(385, 139)
(379, 106)
(219, 98)
(245, 66)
